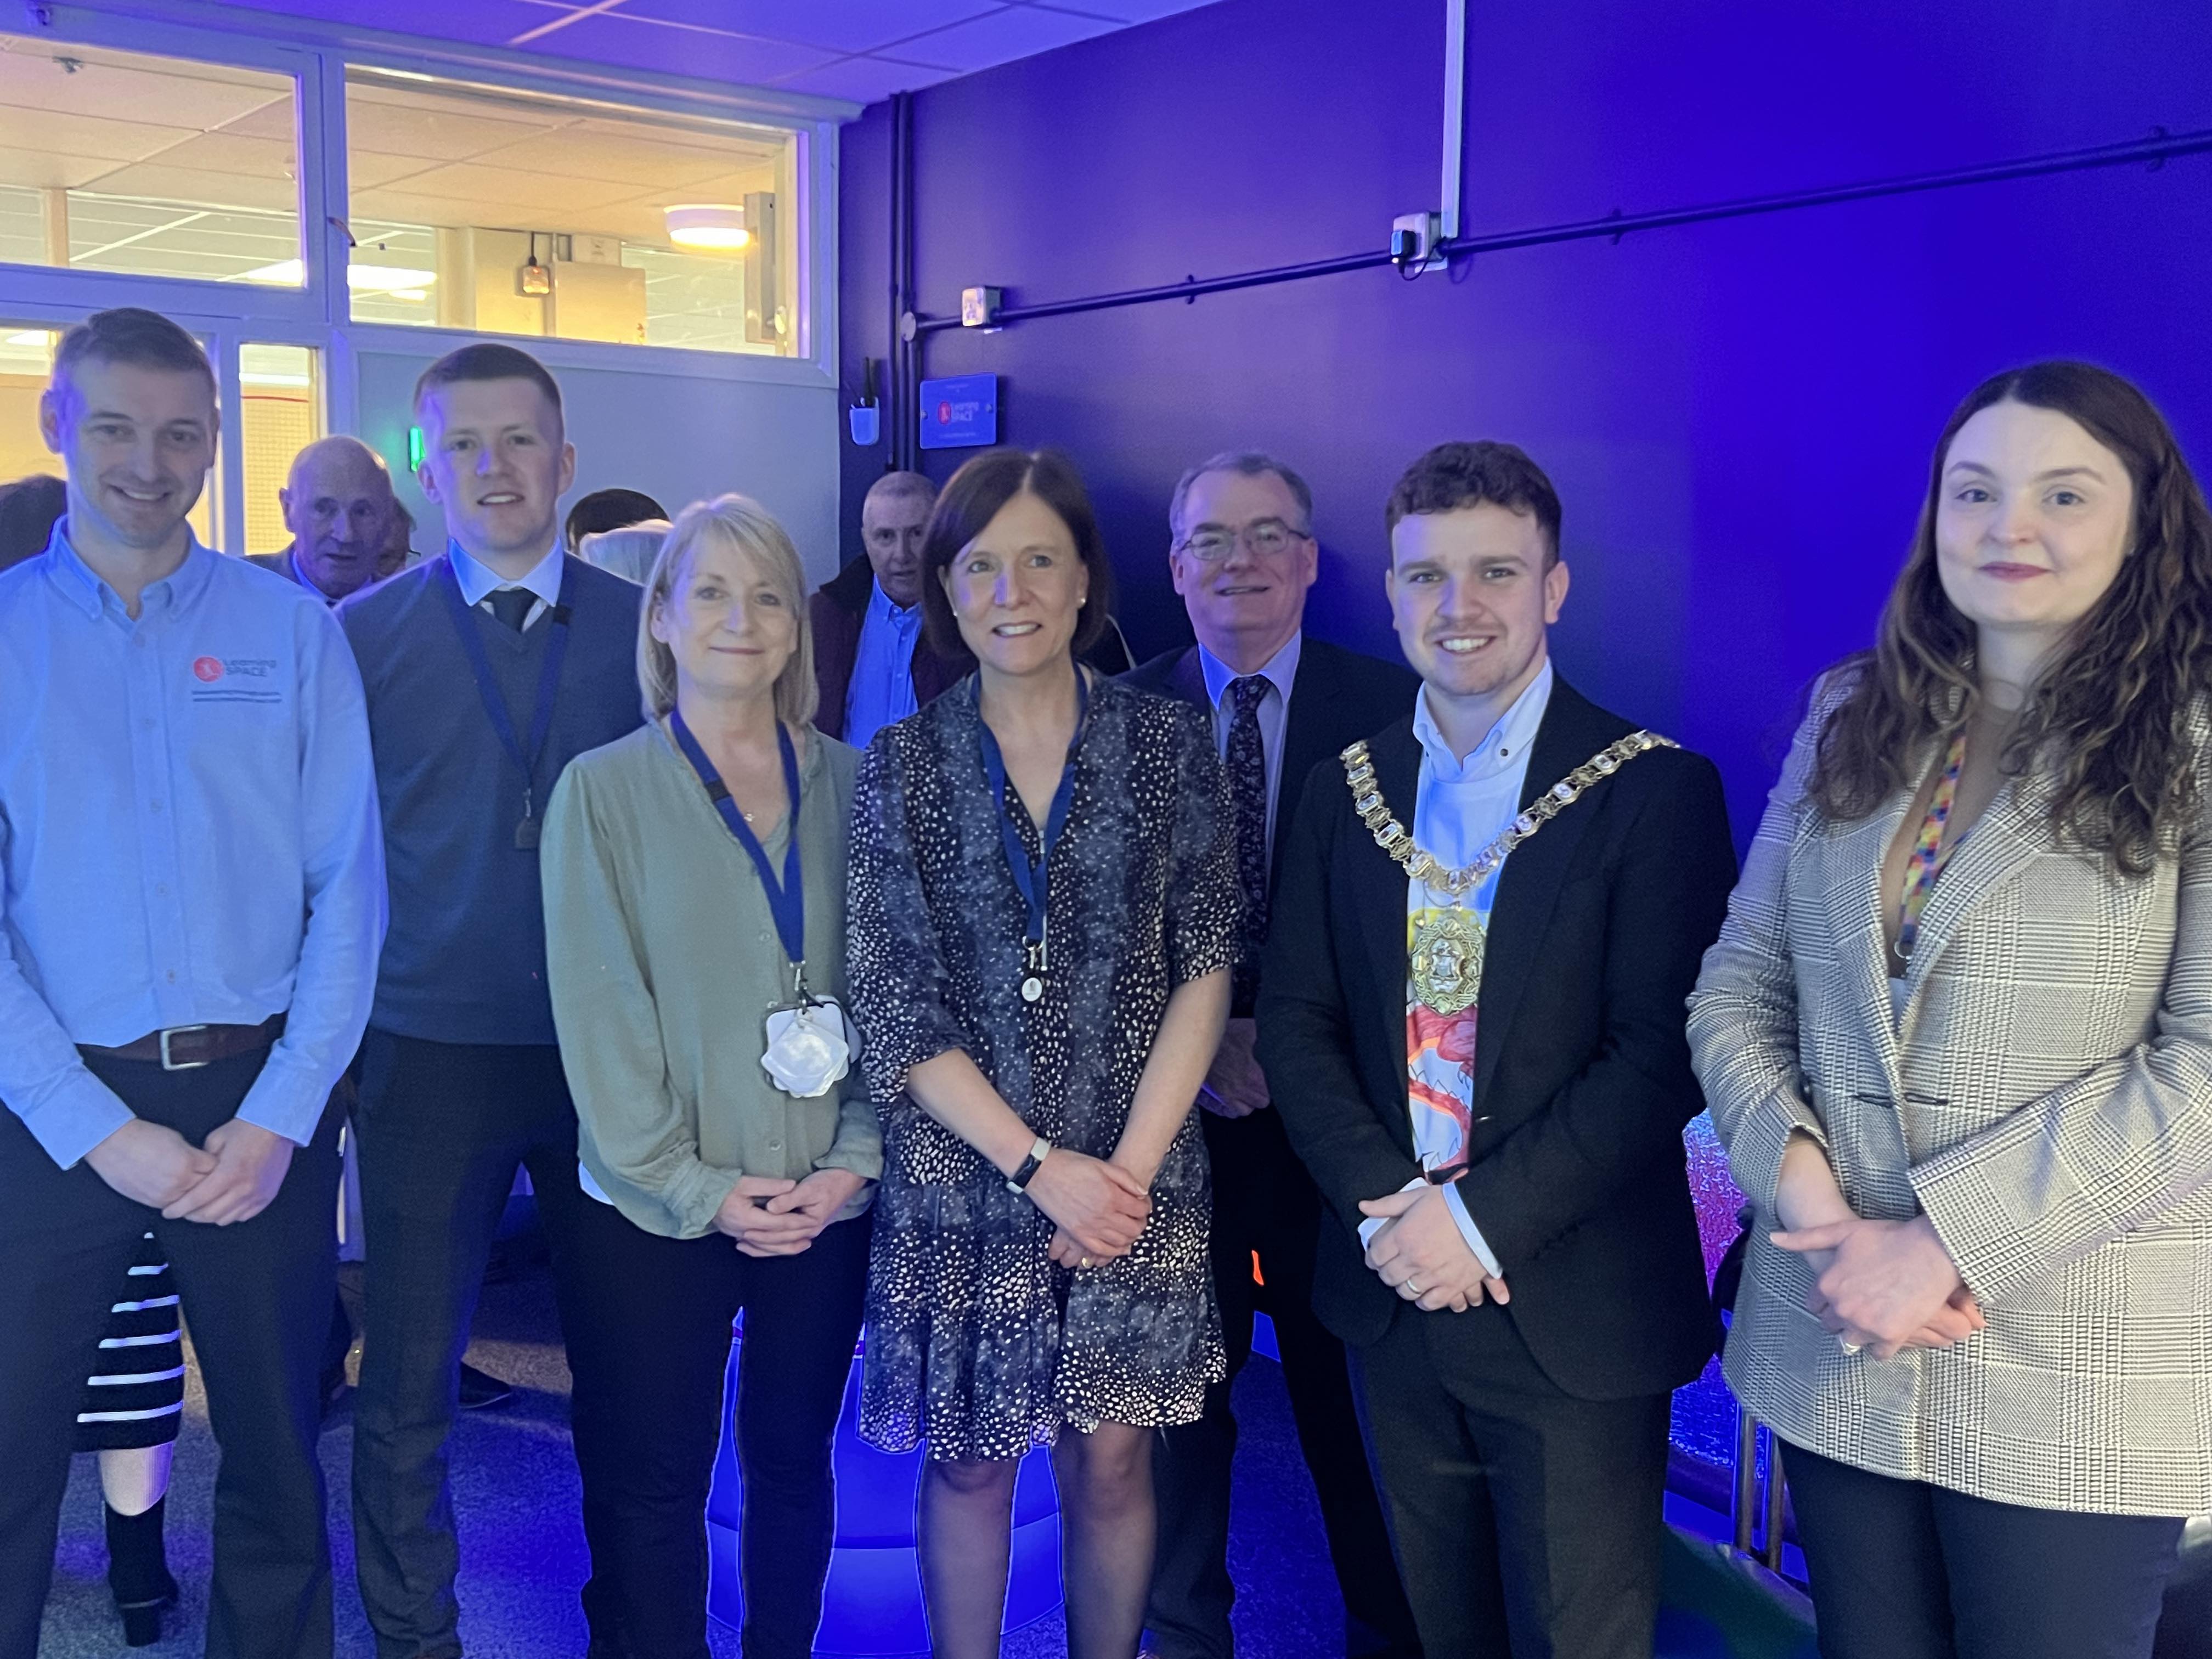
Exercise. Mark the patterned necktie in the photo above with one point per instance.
(512, 605)
(1247, 783)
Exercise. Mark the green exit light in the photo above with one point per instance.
(414, 449)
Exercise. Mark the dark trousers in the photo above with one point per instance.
(443, 1129)
(1901, 1570)
(255, 1296)
(1527, 1521)
(654, 1322)
(1265, 1204)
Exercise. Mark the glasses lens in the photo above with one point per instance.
(1269, 539)
(1212, 544)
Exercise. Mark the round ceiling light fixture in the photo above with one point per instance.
(713, 225)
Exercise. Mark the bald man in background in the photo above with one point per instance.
(339, 506)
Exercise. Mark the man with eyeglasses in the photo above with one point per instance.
(1243, 557)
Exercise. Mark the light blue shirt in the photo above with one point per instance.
(882, 688)
(1279, 671)
(478, 583)
(1461, 806)
(188, 835)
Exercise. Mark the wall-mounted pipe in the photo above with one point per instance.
(1454, 117)
(2161, 147)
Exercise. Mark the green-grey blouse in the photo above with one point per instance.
(664, 962)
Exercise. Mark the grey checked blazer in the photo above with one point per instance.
(2045, 1098)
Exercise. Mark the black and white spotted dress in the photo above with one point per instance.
(135, 1394)
(978, 1344)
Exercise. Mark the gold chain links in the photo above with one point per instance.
(1395, 840)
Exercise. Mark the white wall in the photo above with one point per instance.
(678, 437)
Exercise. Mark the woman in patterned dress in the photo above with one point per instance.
(1034, 1047)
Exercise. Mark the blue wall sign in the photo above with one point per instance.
(960, 412)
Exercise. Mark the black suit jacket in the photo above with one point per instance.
(1337, 698)
(1582, 1070)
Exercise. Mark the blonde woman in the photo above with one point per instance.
(694, 908)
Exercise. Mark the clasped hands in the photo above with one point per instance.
(1099, 1206)
(1881, 1285)
(232, 1176)
(773, 1217)
(1421, 1253)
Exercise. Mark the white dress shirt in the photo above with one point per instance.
(1459, 808)
(478, 583)
(1279, 671)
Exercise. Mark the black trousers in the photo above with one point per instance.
(1527, 1521)
(654, 1316)
(1901, 1570)
(443, 1129)
(255, 1297)
(1265, 1204)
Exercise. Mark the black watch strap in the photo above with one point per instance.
(1019, 1181)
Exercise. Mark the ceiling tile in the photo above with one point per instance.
(226, 152)
(42, 169)
(114, 91)
(838, 25)
(635, 43)
(392, 123)
(473, 181)
(867, 80)
(70, 135)
(580, 155)
(1016, 32)
(160, 182)
(483, 22)
(1136, 11)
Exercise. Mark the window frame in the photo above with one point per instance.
(317, 57)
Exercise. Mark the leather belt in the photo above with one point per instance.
(187, 1048)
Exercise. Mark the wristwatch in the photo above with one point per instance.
(1019, 1181)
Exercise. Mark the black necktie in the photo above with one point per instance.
(512, 605)
(1247, 783)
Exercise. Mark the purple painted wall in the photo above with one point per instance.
(1738, 415)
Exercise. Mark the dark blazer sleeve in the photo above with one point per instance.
(1305, 1040)
(1667, 890)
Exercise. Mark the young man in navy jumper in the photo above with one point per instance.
(487, 669)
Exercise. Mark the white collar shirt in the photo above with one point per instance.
(478, 582)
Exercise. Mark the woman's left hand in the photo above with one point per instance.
(819, 1198)
(1069, 1253)
(1886, 1282)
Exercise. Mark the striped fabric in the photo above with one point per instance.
(2043, 1094)
(135, 1394)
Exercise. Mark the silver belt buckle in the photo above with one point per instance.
(169, 1065)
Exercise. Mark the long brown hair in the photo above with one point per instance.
(2108, 728)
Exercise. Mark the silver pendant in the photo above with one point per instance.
(1032, 988)
(809, 1049)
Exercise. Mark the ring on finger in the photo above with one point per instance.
(1849, 1346)
(1087, 1260)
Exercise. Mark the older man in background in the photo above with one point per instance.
(339, 506)
(872, 660)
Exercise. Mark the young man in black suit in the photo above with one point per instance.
(1471, 1021)
(1243, 557)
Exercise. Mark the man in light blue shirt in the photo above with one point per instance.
(192, 902)
(871, 664)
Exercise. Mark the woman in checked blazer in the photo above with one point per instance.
(1957, 1038)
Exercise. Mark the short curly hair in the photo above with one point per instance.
(1460, 474)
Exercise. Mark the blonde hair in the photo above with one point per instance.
(741, 523)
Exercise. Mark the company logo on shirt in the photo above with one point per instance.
(235, 679)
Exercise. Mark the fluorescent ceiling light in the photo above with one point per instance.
(248, 378)
(30, 336)
(379, 279)
(707, 225)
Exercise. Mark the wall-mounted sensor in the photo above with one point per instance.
(1413, 239)
(865, 419)
(979, 306)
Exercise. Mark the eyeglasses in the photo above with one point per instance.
(1267, 537)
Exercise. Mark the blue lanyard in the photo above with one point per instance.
(787, 902)
(1030, 874)
(549, 687)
